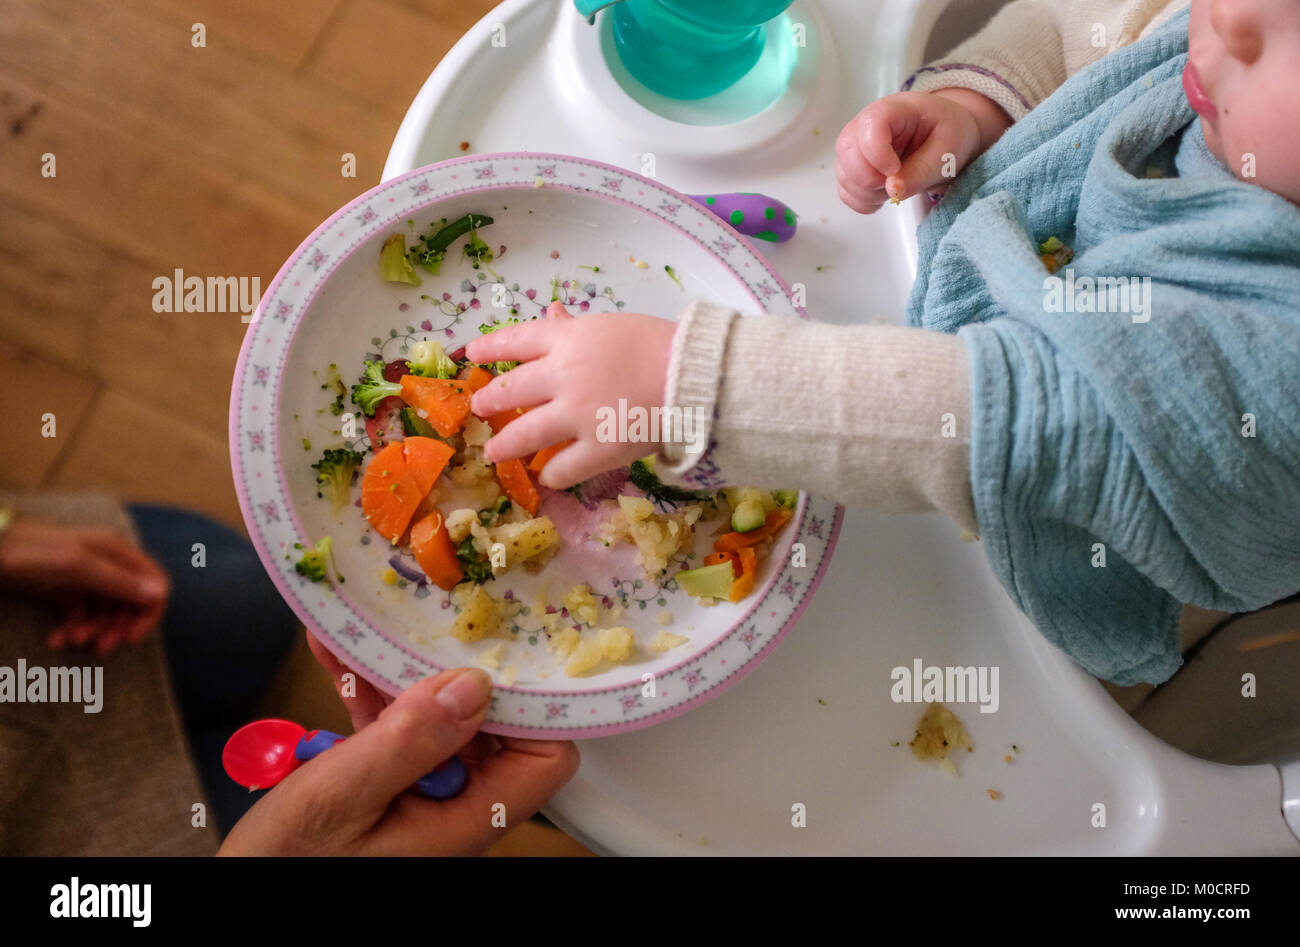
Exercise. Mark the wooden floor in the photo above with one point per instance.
(216, 160)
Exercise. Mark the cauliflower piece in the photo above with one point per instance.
(587, 655)
(459, 523)
(509, 675)
(491, 658)
(616, 643)
(613, 644)
(476, 432)
(473, 472)
(582, 604)
(564, 641)
(665, 641)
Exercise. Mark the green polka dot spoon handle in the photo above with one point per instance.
(754, 215)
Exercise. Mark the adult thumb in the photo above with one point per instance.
(422, 728)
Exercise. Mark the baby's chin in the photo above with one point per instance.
(1212, 140)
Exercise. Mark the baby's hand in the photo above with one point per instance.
(570, 369)
(913, 142)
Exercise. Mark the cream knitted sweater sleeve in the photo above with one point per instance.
(1031, 47)
(874, 416)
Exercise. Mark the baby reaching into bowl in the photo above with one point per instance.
(1098, 372)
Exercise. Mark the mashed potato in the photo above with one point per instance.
(657, 536)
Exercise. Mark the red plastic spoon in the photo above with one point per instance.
(261, 753)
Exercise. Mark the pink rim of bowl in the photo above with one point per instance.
(745, 645)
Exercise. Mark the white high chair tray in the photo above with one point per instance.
(814, 729)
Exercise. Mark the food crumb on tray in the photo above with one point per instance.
(938, 733)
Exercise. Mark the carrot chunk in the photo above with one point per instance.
(772, 524)
(426, 458)
(502, 418)
(434, 551)
(514, 480)
(389, 493)
(543, 456)
(476, 377)
(743, 584)
(443, 402)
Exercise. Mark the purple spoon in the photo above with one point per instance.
(754, 215)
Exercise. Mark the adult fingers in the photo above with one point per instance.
(363, 701)
(357, 780)
(118, 547)
(100, 614)
(78, 615)
(144, 619)
(514, 782)
(539, 428)
(113, 632)
(95, 571)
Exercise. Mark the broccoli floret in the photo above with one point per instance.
(373, 388)
(480, 254)
(393, 264)
(786, 498)
(334, 383)
(474, 566)
(644, 478)
(431, 249)
(430, 360)
(335, 472)
(317, 561)
(485, 328)
(428, 257)
(489, 515)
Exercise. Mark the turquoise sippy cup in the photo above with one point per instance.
(688, 49)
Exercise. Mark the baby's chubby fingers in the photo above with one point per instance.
(881, 129)
(573, 465)
(524, 386)
(541, 427)
(519, 343)
(852, 169)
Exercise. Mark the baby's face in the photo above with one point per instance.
(1242, 79)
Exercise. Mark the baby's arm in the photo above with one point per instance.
(1031, 47)
(874, 416)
